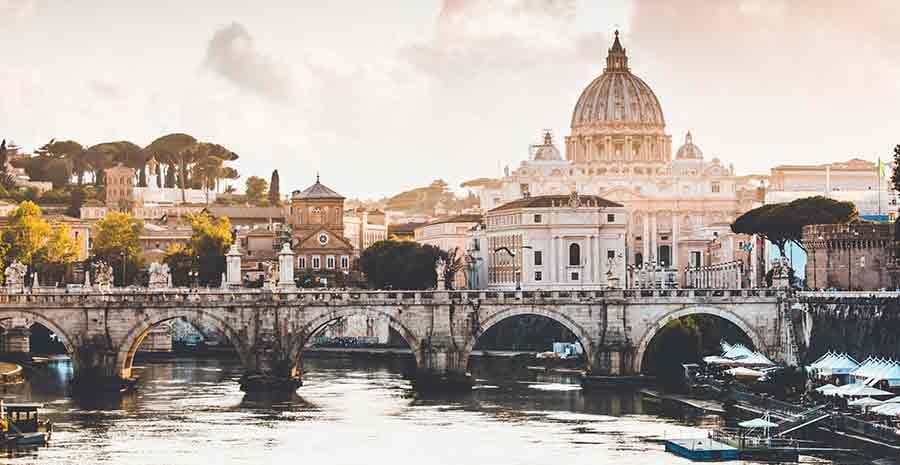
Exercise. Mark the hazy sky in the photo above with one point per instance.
(385, 95)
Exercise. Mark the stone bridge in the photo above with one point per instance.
(102, 330)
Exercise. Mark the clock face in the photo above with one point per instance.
(323, 238)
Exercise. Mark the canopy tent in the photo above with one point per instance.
(858, 390)
(738, 355)
(826, 388)
(865, 402)
(833, 364)
(874, 370)
(758, 423)
(887, 409)
(893, 400)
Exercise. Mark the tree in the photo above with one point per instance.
(256, 189)
(180, 259)
(59, 251)
(117, 242)
(7, 181)
(210, 240)
(76, 201)
(895, 176)
(275, 189)
(453, 263)
(394, 264)
(782, 223)
(27, 233)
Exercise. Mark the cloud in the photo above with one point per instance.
(232, 54)
(106, 90)
(17, 12)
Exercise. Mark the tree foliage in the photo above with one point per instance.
(117, 242)
(782, 223)
(275, 189)
(394, 264)
(31, 240)
(256, 189)
(181, 262)
(895, 176)
(210, 240)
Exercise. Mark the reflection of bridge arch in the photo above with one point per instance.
(33, 316)
(580, 333)
(200, 319)
(654, 328)
(312, 327)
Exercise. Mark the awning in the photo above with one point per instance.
(757, 423)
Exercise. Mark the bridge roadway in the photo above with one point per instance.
(102, 330)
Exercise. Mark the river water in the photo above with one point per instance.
(190, 411)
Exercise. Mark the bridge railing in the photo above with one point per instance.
(56, 296)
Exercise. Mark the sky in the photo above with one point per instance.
(384, 96)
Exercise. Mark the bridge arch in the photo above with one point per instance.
(35, 316)
(312, 327)
(580, 333)
(201, 319)
(660, 322)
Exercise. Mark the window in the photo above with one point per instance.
(316, 262)
(638, 259)
(574, 276)
(538, 258)
(329, 262)
(611, 218)
(538, 276)
(610, 254)
(301, 262)
(696, 259)
(574, 255)
(537, 219)
(345, 262)
(716, 187)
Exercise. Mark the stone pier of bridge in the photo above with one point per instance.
(269, 328)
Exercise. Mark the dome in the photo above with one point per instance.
(689, 151)
(547, 151)
(617, 97)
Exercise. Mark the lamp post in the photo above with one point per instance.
(123, 268)
(512, 255)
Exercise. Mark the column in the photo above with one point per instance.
(563, 260)
(589, 266)
(233, 265)
(675, 249)
(286, 266)
(550, 254)
(645, 240)
(653, 246)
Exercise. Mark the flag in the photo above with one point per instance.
(882, 167)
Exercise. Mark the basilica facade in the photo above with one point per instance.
(618, 149)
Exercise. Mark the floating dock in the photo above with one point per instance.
(702, 450)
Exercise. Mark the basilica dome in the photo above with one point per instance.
(547, 151)
(689, 151)
(618, 98)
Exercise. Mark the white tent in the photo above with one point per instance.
(888, 410)
(826, 388)
(747, 373)
(859, 390)
(832, 364)
(865, 402)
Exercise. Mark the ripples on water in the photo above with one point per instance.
(189, 411)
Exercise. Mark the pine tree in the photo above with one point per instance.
(895, 177)
(274, 189)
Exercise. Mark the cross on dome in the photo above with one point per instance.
(617, 59)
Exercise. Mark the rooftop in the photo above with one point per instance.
(317, 191)
(547, 201)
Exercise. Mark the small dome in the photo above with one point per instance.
(689, 151)
(547, 151)
(618, 97)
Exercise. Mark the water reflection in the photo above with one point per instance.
(348, 412)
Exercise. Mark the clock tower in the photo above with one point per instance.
(316, 217)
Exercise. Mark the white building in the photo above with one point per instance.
(549, 242)
(448, 234)
(618, 149)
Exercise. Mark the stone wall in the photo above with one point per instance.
(851, 256)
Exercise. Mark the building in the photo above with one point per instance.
(857, 181)
(859, 256)
(449, 234)
(618, 150)
(550, 242)
(123, 193)
(364, 228)
(316, 217)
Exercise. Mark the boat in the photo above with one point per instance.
(21, 427)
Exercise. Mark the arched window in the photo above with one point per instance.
(574, 255)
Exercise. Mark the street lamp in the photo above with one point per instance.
(515, 268)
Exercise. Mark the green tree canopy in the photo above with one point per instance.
(782, 223)
(117, 242)
(180, 259)
(256, 189)
(210, 240)
(394, 264)
(30, 239)
(275, 189)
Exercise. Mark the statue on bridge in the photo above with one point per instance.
(271, 275)
(103, 275)
(15, 276)
(160, 276)
(440, 269)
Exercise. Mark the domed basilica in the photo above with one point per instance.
(618, 149)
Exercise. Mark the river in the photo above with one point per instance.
(190, 411)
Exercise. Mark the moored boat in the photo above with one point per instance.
(21, 427)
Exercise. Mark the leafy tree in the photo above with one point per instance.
(68, 154)
(3, 156)
(895, 176)
(394, 264)
(782, 223)
(59, 251)
(275, 189)
(76, 201)
(26, 234)
(117, 242)
(180, 259)
(7, 181)
(256, 189)
(210, 240)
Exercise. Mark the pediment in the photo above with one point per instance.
(313, 240)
